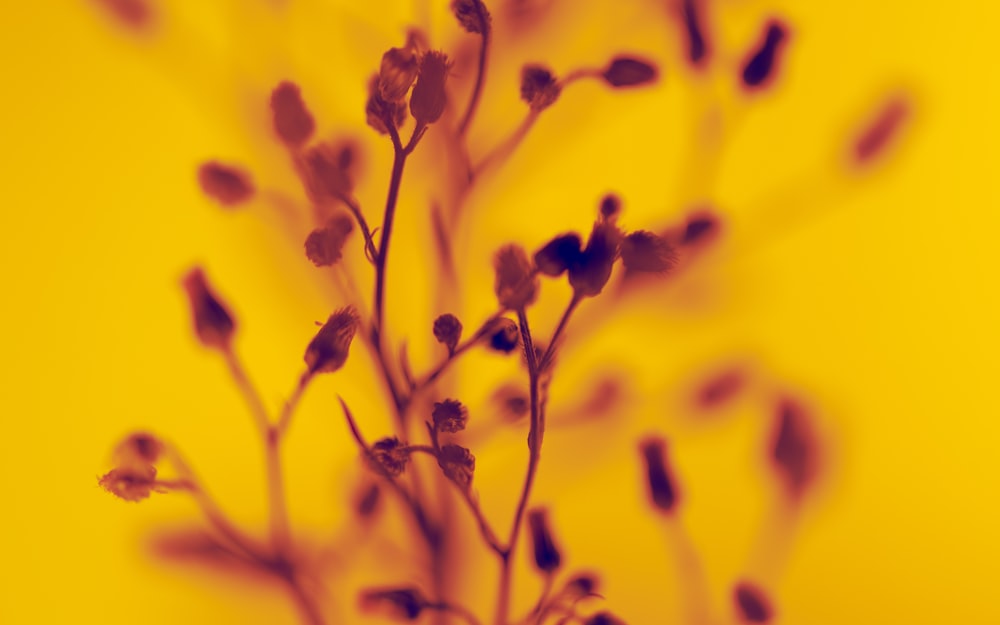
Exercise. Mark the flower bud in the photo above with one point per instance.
(328, 350)
(448, 331)
(582, 585)
(752, 604)
(293, 122)
(401, 603)
(428, 99)
(225, 184)
(559, 254)
(603, 618)
(326, 172)
(140, 448)
(547, 556)
(538, 87)
(450, 416)
(658, 478)
(379, 111)
(611, 206)
(793, 448)
(472, 15)
(647, 252)
(589, 276)
(760, 66)
(504, 335)
(626, 71)
(131, 483)
(397, 73)
(458, 464)
(515, 285)
(390, 455)
(213, 325)
(324, 245)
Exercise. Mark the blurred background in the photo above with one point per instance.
(863, 292)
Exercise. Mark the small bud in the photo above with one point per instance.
(391, 455)
(397, 73)
(559, 254)
(658, 478)
(131, 483)
(449, 416)
(699, 228)
(448, 331)
(538, 87)
(697, 45)
(582, 585)
(324, 245)
(368, 500)
(512, 401)
(547, 556)
(293, 122)
(225, 184)
(401, 603)
(793, 448)
(760, 66)
(213, 324)
(139, 449)
(326, 172)
(603, 618)
(428, 99)
(504, 336)
(472, 15)
(458, 464)
(611, 206)
(589, 276)
(647, 252)
(752, 603)
(626, 71)
(328, 350)
(515, 285)
(379, 111)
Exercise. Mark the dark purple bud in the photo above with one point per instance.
(763, 61)
(458, 464)
(448, 331)
(213, 324)
(515, 283)
(628, 71)
(226, 184)
(589, 276)
(538, 87)
(472, 15)
(603, 618)
(429, 97)
(793, 448)
(504, 335)
(752, 604)
(450, 416)
(559, 254)
(324, 246)
(662, 491)
(380, 112)
(293, 122)
(699, 228)
(547, 556)
(882, 131)
(397, 73)
(646, 252)
(328, 350)
(582, 585)
(611, 206)
(390, 455)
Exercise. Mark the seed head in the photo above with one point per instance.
(293, 122)
(450, 416)
(547, 556)
(448, 331)
(458, 464)
(328, 350)
(428, 99)
(213, 325)
(629, 71)
(472, 15)
(324, 245)
(538, 87)
(397, 73)
(515, 284)
(647, 252)
(391, 455)
(226, 184)
(559, 254)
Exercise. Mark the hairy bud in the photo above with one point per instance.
(397, 73)
(428, 99)
(213, 324)
(547, 556)
(324, 246)
(449, 415)
(538, 87)
(391, 455)
(589, 276)
(458, 464)
(627, 71)
(448, 331)
(646, 252)
(293, 122)
(472, 15)
(515, 284)
(328, 351)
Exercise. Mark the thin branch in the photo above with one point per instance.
(462, 347)
(288, 411)
(550, 351)
(477, 89)
(307, 606)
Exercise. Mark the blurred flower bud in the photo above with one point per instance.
(326, 172)
(589, 276)
(603, 618)
(225, 184)
(391, 455)
(404, 603)
(458, 464)
(293, 122)
(397, 73)
(515, 285)
(449, 416)
(367, 500)
(699, 228)
(213, 325)
(752, 604)
(793, 448)
(581, 585)
(611, 206)
(647, 252)
(448, 331)
(538, 87)
(504, 335)
(328, 350)
(131, 483)
(472, 15)
(761, 64)
(324, 245)
(429, 97)
(559, 254)
(140, 448)
(661, 485)
(379, 111)
(547, 556)
(627, 71)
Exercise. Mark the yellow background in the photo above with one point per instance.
(872, 295)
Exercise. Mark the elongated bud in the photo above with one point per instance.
(328, 351)
(213, 325)
(458, 464)
(538, 87)
(662, 491)
(448, 331)
(429, 97)
(404, 603)
(589, 276)
(226, 184)
(793, 448)
(450, 416)
(381, 112)
(324, 246)
(762, 62)
(629, 71)
(646, 252)
(515, 284)
(397, 73)
(293, 122)
(472, 15)
(752, 604)
(547, 556)
(559, 254)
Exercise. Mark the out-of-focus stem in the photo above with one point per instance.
(550, 351)
(477, 89)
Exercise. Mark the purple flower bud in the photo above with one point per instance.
(559, 254)
(391, 455)
(449, 416)
(293, 122)
(448, 331)
(472, 15)
(627, 71)
(429, 97)
(515, 284)
(538, 87)
(458, 464)
(397, 73)
(662, 491)
(226, 184)
(589, 276)
(547, 556)
(328, 351)
(324, 245)
(646, 252)
(213, 324)
(752, 604)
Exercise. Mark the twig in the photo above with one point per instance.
(551, 349)
(462, 347)
(285, 419)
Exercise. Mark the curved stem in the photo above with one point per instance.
(477, 89)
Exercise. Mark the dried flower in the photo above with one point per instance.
(449, 415)
(448, 331)
(627, 71)
(397, 73)
(293, 122)
(324, 245)
(515, 284)
(226, 184)
(547, 556)
(589, 276)
(538, 87)
(647, 252)
(752, 603)
(661, 485)
(404, 603)
(391, 455)
(131, 483)
(559, 254)
(327, 352)
(213, 325)
(380, 111)
(504, 335)
(458, 464)
(472, 15)
(428, 99)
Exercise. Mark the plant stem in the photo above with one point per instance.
(310, 611)
(462, 347)
(551, 349)
(477, 89)
(288, 411)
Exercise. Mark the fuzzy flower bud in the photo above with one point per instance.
(324, 245)
(326, 171)
(472, 15)
(293, 122)
(213, 324)
(450, 416)
(131, 483)
(428, 99)
(391, 455)
(547, 556)
(226, 184)
(397, 73)
(515, 285)
(447, 331)
(626, 71)
(559, 254)
(140, 448)
(589, 276)
(647, 252)
(504, 335)
(458, 464)
(379, 111)
(538, 87)
(662, 491)
(328, 350)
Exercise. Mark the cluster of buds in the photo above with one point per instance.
(401, 69)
